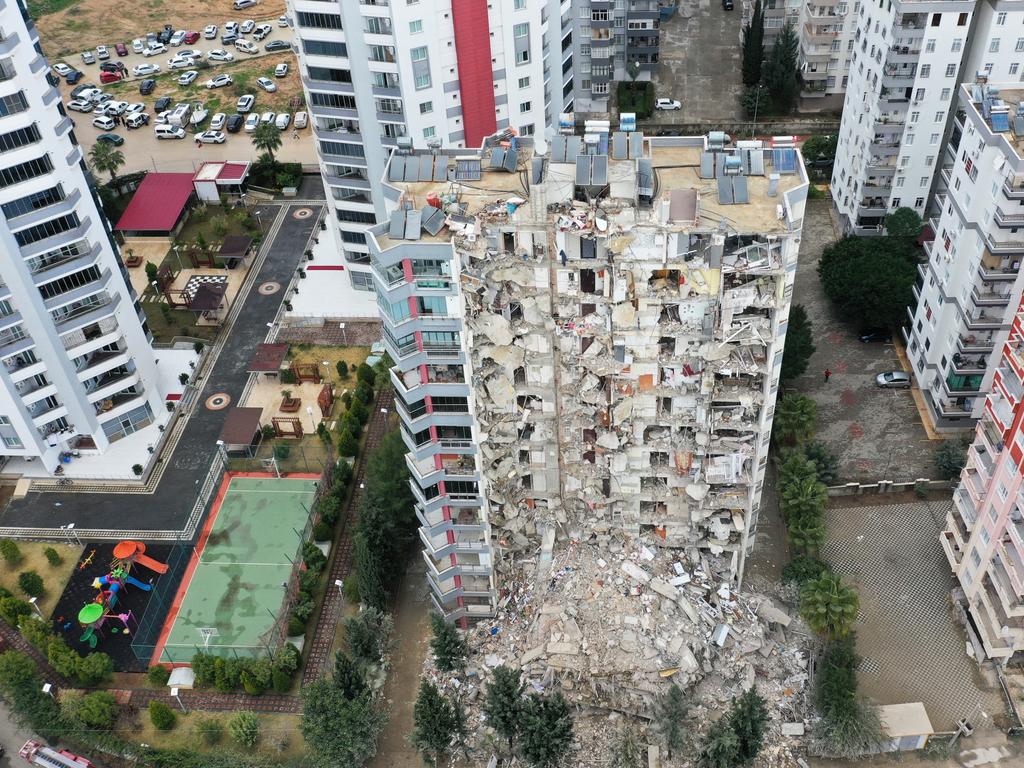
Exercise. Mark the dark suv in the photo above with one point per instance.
(234, 123)
(162, 104)
(146, 87)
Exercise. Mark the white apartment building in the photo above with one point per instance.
(972, 283)
(826, 34)
(903, 79)
(76, 368)
(586, 341)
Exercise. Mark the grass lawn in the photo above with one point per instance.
(181, 323)
(54, 577)
(213, 224)
(279, 734)
(37, 8)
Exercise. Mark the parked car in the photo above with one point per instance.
(245, 46)
(85, 92)
(231, 28)
(101, 98)
(110, 138)
(282, 121)
(893, 380)
(151, 39)
(199, 113)
(121, 48)
(247, 26)
(110, 77)
(113, 66)
(245, 103)
(73, 77)
(88, 58)
(183, 63)
(219, 54)
(164, 35)
(116, 107)
(162, 104)
(194, 53)
(62, 69)
(135, 108)
(234, 123)
(138, 46)
(187, 78)
(146, 87)
(141, 70)
(103, 122)
(869, 335)
(162, 117)
(102, 53)
(251, 122)
(210, 31)
(219, 81)
(281, 69)
(282, 21)
(669, 104)
(80, 105)
(266, 84)
(217, 121)
(211, 137)
(155, 50)
(301, 120)
(178, 37)
(191, 37)
(229, 38)
(727, 5)
(137, 120)
(277, 45)
(169, 132)
(268, 117)
(261, 31)
(240, 4)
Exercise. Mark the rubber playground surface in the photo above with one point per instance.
(232, 592)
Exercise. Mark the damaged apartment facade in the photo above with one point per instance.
(587, 338)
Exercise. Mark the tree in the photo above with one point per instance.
(52, 557)
(756, 100)
(94, 710)
(347, 677)
(244, 728)
(753, 46)
(633, 70)
(803, 499)
(950, 458)
(162, 716)
(10, 552)
(669, 713)
(267, 138)
(904, 224)
(158, 675)
(210, 731)
(826, 465)
(780, 70)
(31, 583)
(503, 702)
(449, 647)
(720, 747)
(626, 749)
(338, 731)
(16, 669)
(360, 411)
(849, 727)
(803, 568)
(93, 669)
(749, 719)
(106, 158)
(869, 280)
(828, 606)
(795, 466)
(821, 148)
(545, 732)
(806, 535)
(342, 367)
(796, 418)
(366, 635)
(799, 344)
(348, 446)
(364, 390)
(12, 609)
(434, 723)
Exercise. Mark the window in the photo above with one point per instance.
(415, 27)
(930, 46)
(527, 130)
(919, 94)
(599, 89)
(426, 107)
(418, 54)
(1014, 68)
(962, 20)
(521, 30)
(923, 182)
(318, 20)
(957, 45)
(900, 180)
(422, 81)
(329, 75)
(926, 69)
(951, 70)
(33, 202)
(1020, 45)
(1000, 19)
(356, 217)
(19, 138)
(519, 5)
(933, 139)
(13, 104)
(988, 68)
(46, 229)
(341, 148)
(525, 106)
(323, 48)
(334, 100)
(939, 116)
(429, 132)
(909, 139)
(919, 203)
(993, 45)
(914, 116)
(362, 281)
(524, 82)
(12, 442)
(944, 96)
(25, 171)
(389, 106)
(936, 19)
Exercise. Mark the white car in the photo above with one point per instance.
(90, 94)
(240, 4)
(245, 103)
(62, 69)
(169, 132)
(282, 121)
(217, 121)
(266, 84)
(210, 31)
(138, 46)
(102, 53)
(668, 104)
(103, 122)
(80, 105)
(199, 113)
(301, 120)
(187, 78)
(183, 63)
(88, 58)
(219, 54)
(141, 70)
(154, 49)
(178, 37)
(261, 31)
(281, 69)
(161, 118)
(282, 21)
(219, 81)
(251, 122)
(230, 27)
(246, 46)
(116, 107)
(267, 117)
(211, 137)
(135, 108)
(247, 26)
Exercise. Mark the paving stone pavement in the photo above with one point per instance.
(912, 650)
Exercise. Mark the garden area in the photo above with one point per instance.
(209, 733)
(44, 568)
(636, 97)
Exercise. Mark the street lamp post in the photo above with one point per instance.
(344, 336)
(174, 693)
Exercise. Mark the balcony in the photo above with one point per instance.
(983, 614)
(1013, 188)
(984, 297)
(438, 545)
(1009, 220)
(118, 404)
(85, 314)
(1010, 384)
(1005, 573)
(963, 365)
(962, 517)
(953, 550)
(984, 320)
(984, 462)
(445, 570)
(972, 344)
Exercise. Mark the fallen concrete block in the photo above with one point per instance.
(767, 611)
(532, 655)
(568, 649)
(792, 729)
(636, 573)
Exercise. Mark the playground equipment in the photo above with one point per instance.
(134, 553)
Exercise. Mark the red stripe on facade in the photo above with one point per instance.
(325, 268)
(476, 81)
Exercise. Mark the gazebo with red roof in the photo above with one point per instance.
(159, 207)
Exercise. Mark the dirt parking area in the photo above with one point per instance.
(81, 24)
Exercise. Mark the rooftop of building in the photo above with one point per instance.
(999, 108)
(624, 179)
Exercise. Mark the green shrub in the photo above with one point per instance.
(322, 532)
(12, 609)
(280, 682)
(162, 716)
(35, 630)
(304, 607)
(286, 376)
(343, 474)
(138, 469)
(360, 411)
(314, 559)
(52, 556)
(210, 731)
(803, 568)
(31, 583)
(158, 675)
(95, 710)
(244, 728)
(93, 669)
(364, 391)
(268, 432)
(342, 367)
(287, 659)
(282, 451)
(204, 668)
(351, 588)
(950, 458)
(4, 592)
(351, 422)
(250, 684)
(346, 399)
(348, 445)
(330, 511)
(10, 552)
(309, 581)
(296, 627)
(364, 373)
(636, 97)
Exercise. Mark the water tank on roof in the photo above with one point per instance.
(733, 165)
(717, 139)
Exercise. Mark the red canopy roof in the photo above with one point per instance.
(158, 203)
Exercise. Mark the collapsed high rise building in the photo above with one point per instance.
(587, 340)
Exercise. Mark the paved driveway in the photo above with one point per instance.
(911, 648)
(876, 433)
(699, 63)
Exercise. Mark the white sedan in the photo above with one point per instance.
(154, 49)
(281, 69)
(183, 63)
(282, 120)
(103, 122)
(132, 109)
(219, 81)
(668, 104)
(141, 70)
(219, 54)
(210, 31)
(188, 77)
(217, 121)
(80, 105)
(266, 84)
(211, 137)
(62, 69)
(267, 117)
(138, 45)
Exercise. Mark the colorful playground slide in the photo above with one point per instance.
(134, 553)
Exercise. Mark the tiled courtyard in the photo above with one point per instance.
(912, 650)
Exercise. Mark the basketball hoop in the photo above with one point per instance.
(208, 633)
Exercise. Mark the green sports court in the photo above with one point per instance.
(232, 594)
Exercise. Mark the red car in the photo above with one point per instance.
(121, 48)
(109, 77)
(191, 37)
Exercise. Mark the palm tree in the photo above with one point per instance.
(795, 466)
(796, 418)
(828, 606)
(107, 158)
(803, 499)
(806, 534)
(267, 137)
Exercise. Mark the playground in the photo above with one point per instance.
(232, 598)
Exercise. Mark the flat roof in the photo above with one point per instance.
(158, 203)
(899, 720)
(226, 172)
(267, 358)
(240, 426)
(234, 246)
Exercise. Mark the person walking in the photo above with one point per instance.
(828, 375)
